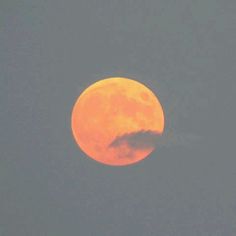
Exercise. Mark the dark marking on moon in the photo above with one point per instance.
(144, 96)
(140, 140)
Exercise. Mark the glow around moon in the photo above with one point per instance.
(117, 121)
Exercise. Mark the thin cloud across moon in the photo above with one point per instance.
(117, 121)
(139, 140)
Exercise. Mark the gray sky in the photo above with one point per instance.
(51, 50)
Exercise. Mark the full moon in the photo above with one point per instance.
(117, 121)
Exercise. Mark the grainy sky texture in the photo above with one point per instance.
(51, 50)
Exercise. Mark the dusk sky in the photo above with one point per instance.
(51, 50)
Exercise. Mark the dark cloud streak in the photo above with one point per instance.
(143, 139)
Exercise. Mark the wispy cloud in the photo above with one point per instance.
(144, 139)
(147, 139)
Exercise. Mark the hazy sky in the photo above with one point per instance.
(51, 50)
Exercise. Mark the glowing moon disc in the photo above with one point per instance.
(116, 121)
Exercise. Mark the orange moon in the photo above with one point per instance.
(116, 121)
